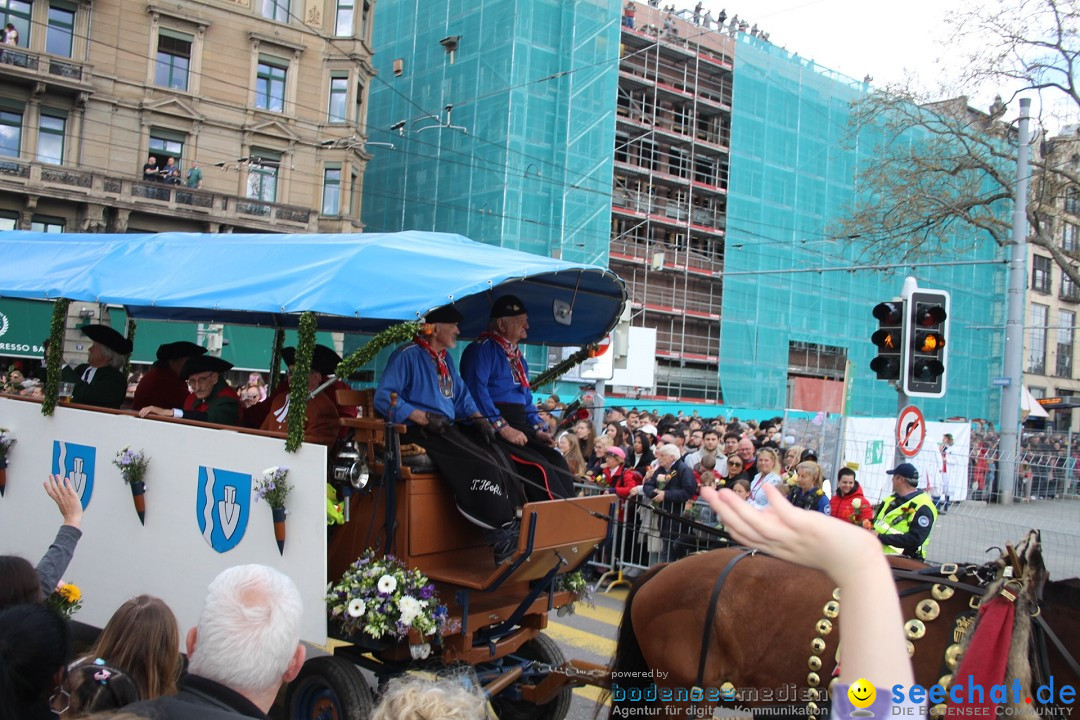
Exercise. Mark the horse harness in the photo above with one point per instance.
(942, 582)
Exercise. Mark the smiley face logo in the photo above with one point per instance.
(861, 693)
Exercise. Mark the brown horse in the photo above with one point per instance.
(774, 631)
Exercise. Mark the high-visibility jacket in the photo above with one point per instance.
(895, 517)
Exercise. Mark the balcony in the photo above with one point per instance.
(26, 67)
(62, 183)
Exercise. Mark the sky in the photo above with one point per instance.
(890, 41)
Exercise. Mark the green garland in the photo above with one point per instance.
(298, 389)
(131, 338)
(275, 358)
(55, 355)
(554, 373)
(393, 335)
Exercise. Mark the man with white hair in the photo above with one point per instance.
(100, 380)
(670, 485)
(246, 645)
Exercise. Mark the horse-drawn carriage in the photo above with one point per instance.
(364, 283)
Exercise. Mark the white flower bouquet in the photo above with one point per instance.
(381, 597)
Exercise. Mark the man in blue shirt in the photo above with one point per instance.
(498, 378)
(431, 399)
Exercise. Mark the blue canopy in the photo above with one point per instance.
(360, 282)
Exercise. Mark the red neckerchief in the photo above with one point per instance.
(513, 355)
(446, 383)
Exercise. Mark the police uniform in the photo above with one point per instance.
(903, 522)
(497, 376)
(478, 475)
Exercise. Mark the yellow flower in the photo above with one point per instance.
(71, 593)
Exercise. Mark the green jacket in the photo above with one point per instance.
(107, 389)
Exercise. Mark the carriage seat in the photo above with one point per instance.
(370, 429)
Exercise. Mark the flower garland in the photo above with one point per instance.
(305, 347)
(393, 335)
(131, 339)
(275, 358)
(55, 356)
(554, 373)
(380, 597)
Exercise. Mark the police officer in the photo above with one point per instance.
(498, 379)
(905, 519)
(431, 397)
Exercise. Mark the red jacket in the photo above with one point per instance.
(621, 483)
(162, 387)
(841, 507)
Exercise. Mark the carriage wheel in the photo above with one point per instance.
(329, 688)
(542, 649)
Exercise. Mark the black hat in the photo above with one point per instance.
(507, 306)
(907, 471)
(445, 314)
(204, 363)
(105, 335)
(179, 349)
(323, 359)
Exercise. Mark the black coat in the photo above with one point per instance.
(198, 699)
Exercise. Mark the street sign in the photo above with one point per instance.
(1001, 382)
(910, 431)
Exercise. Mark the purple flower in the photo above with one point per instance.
(426, 592)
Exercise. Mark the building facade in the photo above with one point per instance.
(1052, 299)
(268, 97)
(727, 163)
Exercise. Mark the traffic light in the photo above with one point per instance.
(926, 337)
(889, 339)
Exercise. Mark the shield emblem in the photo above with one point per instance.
(76, 463)
(222, 506)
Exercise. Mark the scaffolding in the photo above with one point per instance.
(669, 194)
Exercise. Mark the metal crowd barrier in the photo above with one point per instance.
(643, 538)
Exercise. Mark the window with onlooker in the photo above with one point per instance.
(331, 198)
(10, 132)
(270, 78)
(1038, 317)
(173, 62)
(1040, 273)
(276, 10)
(165, 144)
(50, 143)
(61, 28)
(17, 12)
(263, 175)
(1072, 201)
(339, 98)
(343, 20)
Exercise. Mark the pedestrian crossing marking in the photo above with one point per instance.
(609, 616)
(565, 635)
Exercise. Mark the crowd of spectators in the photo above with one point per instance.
(699, 16)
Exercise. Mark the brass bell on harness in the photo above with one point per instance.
(927, 610)
(945, 681)
(910, 648)
(813, 679)
(914, 629)
(824, 626)
(836, 594)
(817, 646)
(938, 711)
(832, 609)
(942, 592)
(813, 693)
(953, 653)
(814, 663)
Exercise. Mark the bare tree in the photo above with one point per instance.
(938, 171)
